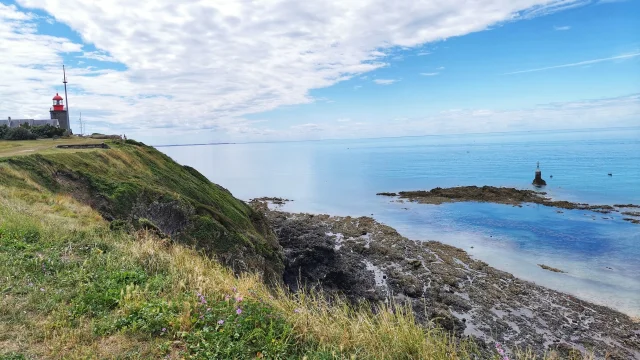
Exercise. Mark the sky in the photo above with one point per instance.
(200, 71)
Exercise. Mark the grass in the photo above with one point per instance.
(130, 176)
(42, 146)
(74, 286)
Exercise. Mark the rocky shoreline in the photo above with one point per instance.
(365, 260)
(509, 196)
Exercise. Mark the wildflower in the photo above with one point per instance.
(164, 329)
(296, 310)
(208, 309)
(227, 297)
(234, 289)
(220, 322)
(201, 317)
(41, 289)
(202, 299)
(238, 311)
(501, 351)
(238, 298)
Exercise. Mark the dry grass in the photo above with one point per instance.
(329, 321)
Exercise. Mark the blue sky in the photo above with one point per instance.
(184, 73)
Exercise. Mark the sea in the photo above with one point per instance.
(600, 253)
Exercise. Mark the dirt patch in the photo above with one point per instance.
(80, 189)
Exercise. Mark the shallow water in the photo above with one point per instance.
(341, 177)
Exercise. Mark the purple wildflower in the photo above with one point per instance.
(220, 322)
(164, 329)
(501, 351)
(238, 311)
(234, 289)
(202, 299)
(238, 298)
(296, 310)
(227, 297)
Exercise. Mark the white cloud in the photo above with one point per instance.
(562, 28)
(356, 87)
(384, 81)
(430, 74)
(97, 55)
(587, 62)
(207, 64)
(598, 113)
(440, 68)
(309, 127)
(423, 53)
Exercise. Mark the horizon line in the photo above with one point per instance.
(403, 136)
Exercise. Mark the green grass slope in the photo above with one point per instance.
(137, 186)
(74, 286)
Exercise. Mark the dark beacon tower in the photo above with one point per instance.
(60, 113)
(538, 180)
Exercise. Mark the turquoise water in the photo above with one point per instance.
(341, 177)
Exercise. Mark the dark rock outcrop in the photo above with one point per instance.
(366, 260)
(500, 195)
(538, 180)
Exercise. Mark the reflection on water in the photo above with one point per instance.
(342, 178)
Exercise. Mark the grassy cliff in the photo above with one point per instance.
(136, 186)
(115, 254)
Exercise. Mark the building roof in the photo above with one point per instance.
(57, 97)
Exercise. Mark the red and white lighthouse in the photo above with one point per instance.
(60, 113)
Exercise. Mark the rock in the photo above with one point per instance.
(462, 295)
(387, 194)
(551, 268)
(500, 195)
(538, 180)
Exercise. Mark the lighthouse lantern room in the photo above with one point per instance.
(57, 103)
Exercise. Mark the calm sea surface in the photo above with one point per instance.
(341, 177)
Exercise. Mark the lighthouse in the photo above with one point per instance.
(59, 112)
(538, 180)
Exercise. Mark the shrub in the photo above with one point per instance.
(133, 142)
(19, 133)
(3, 131)
(47, 131)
